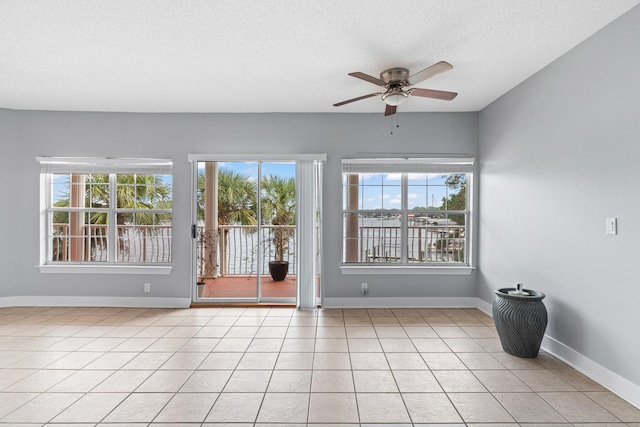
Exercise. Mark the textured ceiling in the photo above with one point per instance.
(277, 55)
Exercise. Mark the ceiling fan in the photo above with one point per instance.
(396, 81)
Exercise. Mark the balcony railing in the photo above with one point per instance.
(135, 244)
(432, 244)
(240, 246)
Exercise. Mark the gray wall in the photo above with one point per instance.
(559, 154)
(10, 239)
(28, 134)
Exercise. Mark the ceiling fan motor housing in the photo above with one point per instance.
(394, 75)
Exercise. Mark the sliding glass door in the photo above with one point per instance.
(277, 231)
(246, 231)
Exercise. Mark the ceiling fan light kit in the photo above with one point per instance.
(395, 79)
(394, 98)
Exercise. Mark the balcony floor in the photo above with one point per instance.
(245, 287)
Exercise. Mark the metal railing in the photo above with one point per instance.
(136, 244)
(240, 246)
(432, 244)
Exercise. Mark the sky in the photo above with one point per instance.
(60, 185)
(61, 181)
(250, 169)
(383, 190)
(377, 191)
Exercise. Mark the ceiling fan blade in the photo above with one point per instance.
(391, 109)
(436, 94)
(429, 72)
(368, 78)
(348, 101)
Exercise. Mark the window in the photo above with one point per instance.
(406, 212)
(106, 211)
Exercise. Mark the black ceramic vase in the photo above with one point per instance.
(520, 321)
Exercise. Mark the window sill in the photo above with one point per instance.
(106, 269)
(407, 270)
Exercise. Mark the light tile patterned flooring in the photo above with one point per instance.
(276, 366)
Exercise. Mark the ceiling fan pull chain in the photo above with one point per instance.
(397, 120)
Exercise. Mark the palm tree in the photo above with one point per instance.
(140, 192)
(236, 204)
(278, 207)
(236, 198)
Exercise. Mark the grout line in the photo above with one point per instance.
(164, 319)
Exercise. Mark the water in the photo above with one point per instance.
(379, 241)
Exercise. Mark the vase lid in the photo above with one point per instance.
(511, 293)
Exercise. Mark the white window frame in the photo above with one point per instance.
(415, 165)
(103, 166)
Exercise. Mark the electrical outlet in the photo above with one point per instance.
(364, 288)
(147, 287)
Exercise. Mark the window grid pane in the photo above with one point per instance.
(79, 212)
(436, 217)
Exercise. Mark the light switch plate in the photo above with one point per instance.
(612, 226)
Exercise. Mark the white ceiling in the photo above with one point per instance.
(277, 55)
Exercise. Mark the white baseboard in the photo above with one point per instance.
(75, 301)
(485, 307)
(603, 376)
(391, 302)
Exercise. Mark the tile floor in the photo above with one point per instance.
(278, 366)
